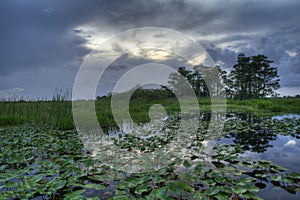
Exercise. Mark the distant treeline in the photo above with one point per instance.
(250, 78)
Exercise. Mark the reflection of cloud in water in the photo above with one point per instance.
(285, 152)
(288, 116)
(290, 143)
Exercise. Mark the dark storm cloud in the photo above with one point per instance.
(223, 57)
(40, 34)
(252, 27)
(52, 33)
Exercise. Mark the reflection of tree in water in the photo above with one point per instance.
(252, 133)
(205, 116)
(245, 129)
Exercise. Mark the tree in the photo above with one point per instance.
(253, 77)
(240, 77)
(194, 78)
(198, 82)
(202, 79)
(179, 81)
(267, 79)
(228, 84)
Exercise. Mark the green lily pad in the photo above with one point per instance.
(94, 186)
(211, 191)
(142, 188)
(239, 189)
(74, 195)
(56, 184)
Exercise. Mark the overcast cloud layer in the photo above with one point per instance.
(44, 42)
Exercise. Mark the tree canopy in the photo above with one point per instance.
(251, 77)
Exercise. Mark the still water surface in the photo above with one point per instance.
(263, 144)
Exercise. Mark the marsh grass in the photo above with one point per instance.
(55, 113)
(276, 105)
(58, 113)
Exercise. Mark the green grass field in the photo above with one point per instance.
(58, 114)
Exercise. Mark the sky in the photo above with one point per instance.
(44, 43)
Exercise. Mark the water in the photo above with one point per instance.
(288, 116)
(276, 139)
(283, 150)
(261, 143)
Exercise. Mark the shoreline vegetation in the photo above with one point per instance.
(58, 114)
(41, 162)
(246, 87)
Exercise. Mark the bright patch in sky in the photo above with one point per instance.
(152, 54)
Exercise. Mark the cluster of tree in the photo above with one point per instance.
(152, 94)
(251, 77)
(205, 81)
(297, 96)
(140, 93)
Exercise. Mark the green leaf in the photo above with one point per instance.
(120, 192)
(239, 189)
(56, 184)
(121, 198)
(261, 175)
(276, 178)
(137, 181)
(159, 193)
(278, 168)
(287, 180)
(10, 184)
(173, 187)
(94, 186)
(34, 178)
(158, 179)
(185, 186)
(186, 164)
(98, 177)
(294, 175)
(249, 195)
(222, 196)
(3, 186)
(209, 182)
(125, 185)
(251, 188)
(211, 191)
(23, 186)
(142, 188)
(200, 196)
(74, 195)
(244, 181)
(226, 189)
(99, 187)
